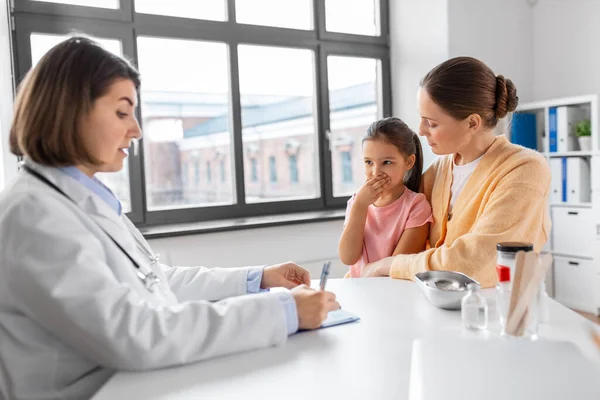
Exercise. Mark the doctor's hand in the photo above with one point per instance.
(377, 268)
(287, 275)
(313, 306)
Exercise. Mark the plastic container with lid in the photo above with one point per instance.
(506, 269)
(506, 254)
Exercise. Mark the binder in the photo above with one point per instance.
(552, 130)
(563, 180)
(566, 119)
(578, 180)
(556, 187)
(523, 130)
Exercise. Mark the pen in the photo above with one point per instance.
(324, 274)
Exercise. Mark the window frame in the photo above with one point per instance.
(126, 25)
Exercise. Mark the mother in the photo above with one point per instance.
(484, 190)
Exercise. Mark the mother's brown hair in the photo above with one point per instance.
(56, 94)
(463, 86)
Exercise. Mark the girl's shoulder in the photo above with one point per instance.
(414, 198)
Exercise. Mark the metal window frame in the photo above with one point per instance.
(123, 13)
(384, 26)
(126, 25)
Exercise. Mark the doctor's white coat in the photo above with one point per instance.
(73, 311)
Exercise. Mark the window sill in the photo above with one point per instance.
(224, 225)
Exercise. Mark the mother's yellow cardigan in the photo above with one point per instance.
(504, 200)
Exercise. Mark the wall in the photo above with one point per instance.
(425, 33)
(499, 33)
(418, 42)
(307, 244)
(566, 41)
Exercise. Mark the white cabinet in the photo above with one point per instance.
(575, 283)
(572, 230)
(596, 174)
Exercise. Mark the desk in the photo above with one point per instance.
(368, 359)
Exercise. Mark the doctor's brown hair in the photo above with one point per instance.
(55, 95)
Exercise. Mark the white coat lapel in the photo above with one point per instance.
(96, 208)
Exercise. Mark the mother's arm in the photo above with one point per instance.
(515, 211)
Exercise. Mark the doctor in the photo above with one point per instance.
(81, 293)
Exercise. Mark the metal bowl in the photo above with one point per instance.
(444, 289)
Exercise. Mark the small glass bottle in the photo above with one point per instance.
(474, 309)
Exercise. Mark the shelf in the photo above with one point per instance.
(572, 205)
(570, 154)
(566, 101)
(571, 256)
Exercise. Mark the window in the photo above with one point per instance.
(293, 168)
(114, 4)
(346, 167)
(354, 92)
(185, 174)
(278, 100)
(197, 174)
(41, 43)
(183, 118)
(273, 169)
(359, 17)
(254, 167)
(208, 172)
(295, 14)
(205, 9)
(222, 170)
(242, 102)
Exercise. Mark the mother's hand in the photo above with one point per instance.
(377, 268)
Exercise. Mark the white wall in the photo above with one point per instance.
(418, 42)
(566, 48)
(499, 33)
(306, 244)
(8, 163)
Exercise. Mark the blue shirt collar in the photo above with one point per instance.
(94, 185)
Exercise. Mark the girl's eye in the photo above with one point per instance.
(368, 162)
(121, 114)
(387, 162)
(431, 125)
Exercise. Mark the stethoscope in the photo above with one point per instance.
(150, 280)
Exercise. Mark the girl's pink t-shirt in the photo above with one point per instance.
(385, 225)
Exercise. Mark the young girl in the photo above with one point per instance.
(387, 215)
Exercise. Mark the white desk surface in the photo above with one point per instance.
(368, 359)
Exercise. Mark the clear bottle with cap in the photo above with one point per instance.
(474, 309)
